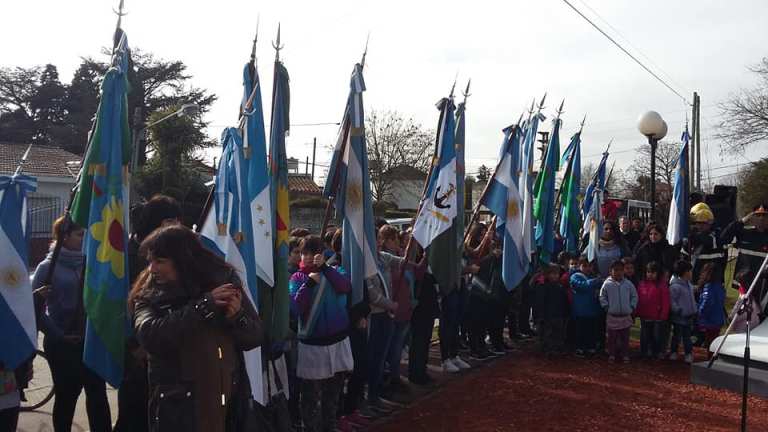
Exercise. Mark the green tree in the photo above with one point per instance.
(172, 168)
(18, 87)
(753, 189)
(483, 173)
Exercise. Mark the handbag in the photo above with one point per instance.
(275, 416)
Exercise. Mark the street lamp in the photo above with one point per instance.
(654, 128)
(187, 110)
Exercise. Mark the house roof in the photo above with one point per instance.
(303, 183)
(43, 160)
(406, 172)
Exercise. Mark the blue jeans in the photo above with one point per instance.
(681, 331)
(380, 329)
(399, 336)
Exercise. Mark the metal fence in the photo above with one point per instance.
(43, 210)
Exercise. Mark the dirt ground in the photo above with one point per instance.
(526, 391)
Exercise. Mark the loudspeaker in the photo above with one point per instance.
(723, 205)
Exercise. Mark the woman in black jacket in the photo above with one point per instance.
(655, 249)
(191, 317)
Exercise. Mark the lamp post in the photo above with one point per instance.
(185, 110)
(654, 128)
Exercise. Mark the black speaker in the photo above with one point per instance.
(723, 205)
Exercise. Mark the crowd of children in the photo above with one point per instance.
(574, 306)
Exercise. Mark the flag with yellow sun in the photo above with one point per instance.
(100, 206)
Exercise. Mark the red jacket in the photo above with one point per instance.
(652, 300)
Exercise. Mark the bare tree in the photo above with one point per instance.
(745, 114)
(394, 141)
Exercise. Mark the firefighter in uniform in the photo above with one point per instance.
(703, 246)
(751, 238)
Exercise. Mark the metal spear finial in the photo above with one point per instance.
(541, 104)
(276, 45)
(453, 87)
(560, 110)
(255, 39)
(365, 52)
(23, 160)
(119, 12)
(584, 120)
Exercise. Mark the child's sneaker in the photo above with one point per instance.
(626, 360)
(449, 367)
(673, 356)
(611, 359)
(689, 358)
(461, 364)
(579, 353)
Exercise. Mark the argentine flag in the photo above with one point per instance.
(226, 231)
(503, 199)
(17, 313)
(359, 255)
(677, 229)
(527, 181)
(593, 202)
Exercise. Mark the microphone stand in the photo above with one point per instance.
(746, 308)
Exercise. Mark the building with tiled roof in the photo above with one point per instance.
(55, 170)
(302, 186)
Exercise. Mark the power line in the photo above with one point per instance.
(627, 52)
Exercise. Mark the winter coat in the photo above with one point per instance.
(323, 320)
(653, 300)
(660, 252)
(607, 253)
(682, 303)
(64, 310)
(380, 286)
(585, 292)
(618, 297)
(550, 301)
(195, 358)
(711, 304)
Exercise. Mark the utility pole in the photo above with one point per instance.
(314, 150)
(698, 142)
(692, 147)
(306, 166)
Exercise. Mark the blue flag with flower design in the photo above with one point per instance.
(100, 206)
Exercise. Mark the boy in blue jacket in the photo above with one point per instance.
(585, 309)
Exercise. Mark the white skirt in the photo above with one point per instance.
(318, 362)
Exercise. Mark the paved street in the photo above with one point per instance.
(40, 420)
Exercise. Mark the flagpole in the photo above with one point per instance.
(409, 245)
(346, 125)
(67, 217)
(568, 170)
(332, 199)
(23, 160)
(241, 125)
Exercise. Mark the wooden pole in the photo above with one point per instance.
(335, 174)
(698, 142)
(314, 150)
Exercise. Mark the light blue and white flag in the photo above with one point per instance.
(227, 230)
(503, 199)
(677, 229)
(528, 180)
(17, 312)
(350, 183)
(593, 203)
(256, 175)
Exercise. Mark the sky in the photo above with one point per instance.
(513, 51)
